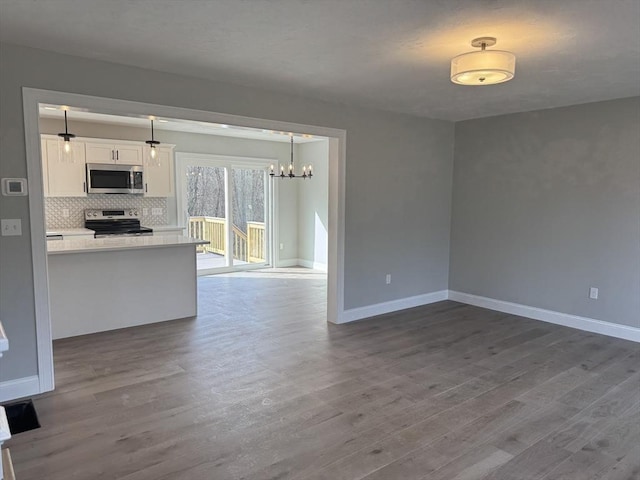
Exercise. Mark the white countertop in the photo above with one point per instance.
(86, 245)
(164, 228)
(70, 231)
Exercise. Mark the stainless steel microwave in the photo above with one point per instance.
(114, 178)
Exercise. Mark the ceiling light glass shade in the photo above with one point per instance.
(66, 150)
(152, 158)
(485, 67)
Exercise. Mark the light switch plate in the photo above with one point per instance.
(11, 227)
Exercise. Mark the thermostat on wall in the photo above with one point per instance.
(14, 187)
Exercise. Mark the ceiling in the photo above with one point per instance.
(172, 124)
(390, 55)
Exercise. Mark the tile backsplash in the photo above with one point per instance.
(55, 209)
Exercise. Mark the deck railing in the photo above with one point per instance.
(247, 247)
(256, 240)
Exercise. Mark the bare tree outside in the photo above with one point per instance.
(206, 195)
(206, 202)
(205, 187)
(248, 197)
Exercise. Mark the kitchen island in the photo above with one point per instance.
(99, 284)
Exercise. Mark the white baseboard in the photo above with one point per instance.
(19, 388)
(289, 262)
(299, 262)
(581, 323)
(310, 264)
(392, 306)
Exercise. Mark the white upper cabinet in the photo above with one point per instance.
(63, 178)
(45, 170)
(158, 174)
(68, 179)
(126, 154)
(129, 154)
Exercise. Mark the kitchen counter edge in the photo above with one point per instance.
(88, 245)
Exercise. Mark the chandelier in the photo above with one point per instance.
(306, 171)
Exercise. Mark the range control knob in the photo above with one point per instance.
(135, 212)
(95, 214)
(130, 212)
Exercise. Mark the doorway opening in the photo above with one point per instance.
(32, 100)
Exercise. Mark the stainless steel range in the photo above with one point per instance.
(107, 223)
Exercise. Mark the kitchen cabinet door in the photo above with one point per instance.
(128, 154)
(114, 153)
(158, 176)
(65, 179)
(100, 153)
(45, 169)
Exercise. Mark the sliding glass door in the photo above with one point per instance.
(249, 214)
(206, 202)
(226, 201)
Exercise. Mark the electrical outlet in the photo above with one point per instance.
(593, 293)
(388, 279)
(282, 246)
(156, 211)
(11, 227)
(65, 213)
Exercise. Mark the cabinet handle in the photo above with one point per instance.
(117, 155)
(146, 188)
(113, 155)
(84, 187)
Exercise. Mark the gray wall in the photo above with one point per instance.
(313, 204)
(398, 179)
(547, 204)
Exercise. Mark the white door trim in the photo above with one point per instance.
(44, 341)
(32, 97)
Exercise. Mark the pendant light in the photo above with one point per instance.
(65, 148)
(306, 173)
(153, 156)
(483, 67)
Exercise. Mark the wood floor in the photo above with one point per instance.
(260, 387)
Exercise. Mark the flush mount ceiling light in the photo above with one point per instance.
(291, 174)
(66, 153)
(153, 152)
(484, 67)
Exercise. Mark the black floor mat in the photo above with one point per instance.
(21, 416)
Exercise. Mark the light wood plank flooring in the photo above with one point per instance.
(259, 386)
